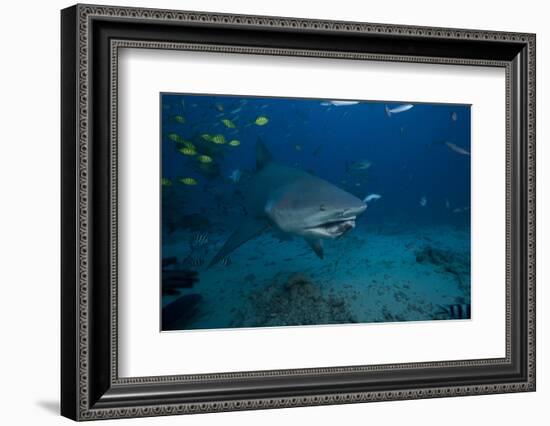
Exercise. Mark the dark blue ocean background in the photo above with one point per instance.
(408, 257)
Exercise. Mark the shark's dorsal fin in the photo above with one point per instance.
(317, 246)
(263, 156)
(248, 230)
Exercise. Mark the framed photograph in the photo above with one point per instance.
(263, 212)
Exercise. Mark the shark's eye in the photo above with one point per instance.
(322, 207)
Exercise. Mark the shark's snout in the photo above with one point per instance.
(339, 225)
(316, 219)
(355, 211)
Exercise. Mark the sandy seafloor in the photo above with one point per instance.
(372, 274)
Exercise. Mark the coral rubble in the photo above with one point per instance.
(294, 300)
(447, 261)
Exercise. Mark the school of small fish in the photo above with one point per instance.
(206, 157)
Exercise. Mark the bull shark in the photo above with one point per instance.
(294, 203)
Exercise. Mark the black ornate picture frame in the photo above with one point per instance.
(91, 386)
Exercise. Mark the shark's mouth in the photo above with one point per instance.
(333, 229)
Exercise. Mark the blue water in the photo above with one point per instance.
(408, 257)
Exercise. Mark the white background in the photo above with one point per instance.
(29, 225)
(146, 352)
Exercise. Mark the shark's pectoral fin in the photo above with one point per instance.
(247, 231)
(317, 245)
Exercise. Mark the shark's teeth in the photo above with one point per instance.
(332, 229)
(334, 223)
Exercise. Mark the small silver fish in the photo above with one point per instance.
(423, 201)
(454, 116)
(371, 197)
(358, 165)
(235, 176)
(456, 148)
(339, 103)
(226, 261)
(398, 109)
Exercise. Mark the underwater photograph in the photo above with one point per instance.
(279, 211)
